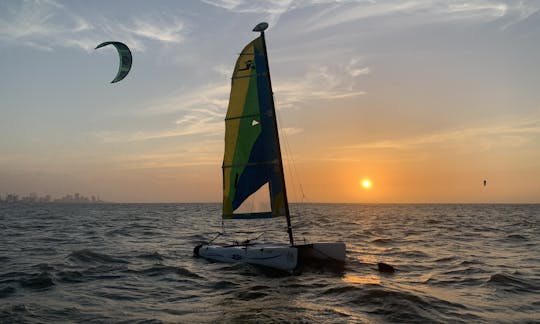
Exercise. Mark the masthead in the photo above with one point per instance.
(261, 27)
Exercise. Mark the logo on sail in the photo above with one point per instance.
(249, 65)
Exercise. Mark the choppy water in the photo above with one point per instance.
(133, 263)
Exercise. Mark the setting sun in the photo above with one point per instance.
(366, 183)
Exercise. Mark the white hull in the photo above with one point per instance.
(277, 256)
(282, 257)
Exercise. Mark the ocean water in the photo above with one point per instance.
(134, 263)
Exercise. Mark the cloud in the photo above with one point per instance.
(272, 9)
(163, 28)
(415, 12)
(291, 131)
(38, 24)
(327, 82)
(47, 25)
(518, 133)
(192, 124)
(202, 111)
(190, 154)
(210, 98)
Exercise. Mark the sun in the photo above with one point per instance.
(366, 183)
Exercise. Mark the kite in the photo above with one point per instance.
(125, 59)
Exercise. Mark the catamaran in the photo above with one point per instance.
(252, 162)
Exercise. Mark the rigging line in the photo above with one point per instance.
(290, 159)
(222, 226)
(255, 239)
(212, 240)
(292, 184)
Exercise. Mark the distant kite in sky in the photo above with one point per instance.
(125, 59)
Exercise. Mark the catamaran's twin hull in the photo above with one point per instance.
(281, 257)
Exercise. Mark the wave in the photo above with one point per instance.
(118, 232)
(70, 276)
(224, 285)
(402, 306)
(454, 282)
(253, 292)
(40, 280)
(475, 262)
(6, 291)
(391, 305)
(382, 241)
(517, 237)
(511, 283)
(415, 254)
(89, 256)
(104, 271)
(151, 256)
(465, 271)
(339, 290)
(14, 313)
(160, 270)
(446, 259)
(250, 295)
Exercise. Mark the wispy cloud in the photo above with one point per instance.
(518, 133)
(201, 111)
(416, 12)
(205, 127)
(291, 130)
(272, 9)
(189, 154)
(39, 24)
(162, 28)
(337, 81)
(196, 122)
(48, 24)
(210, 99)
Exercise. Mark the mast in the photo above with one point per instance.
(261, 27)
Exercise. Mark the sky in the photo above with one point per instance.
(426, 99)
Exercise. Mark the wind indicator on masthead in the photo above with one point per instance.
(261, 27)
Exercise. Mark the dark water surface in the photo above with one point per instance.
(133, 263)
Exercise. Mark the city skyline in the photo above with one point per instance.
(423, 99)
(35, 198)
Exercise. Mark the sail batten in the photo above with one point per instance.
(249, 76)
(250, 164)
(243, 116)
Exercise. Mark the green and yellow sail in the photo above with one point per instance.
(252, 157)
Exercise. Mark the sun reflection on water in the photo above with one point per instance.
(365, 280)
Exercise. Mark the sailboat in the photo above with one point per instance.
(252, 163)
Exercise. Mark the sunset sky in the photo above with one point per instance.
(426, 99)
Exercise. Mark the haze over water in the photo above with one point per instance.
(134, 263)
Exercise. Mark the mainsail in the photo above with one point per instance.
(252, 156)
